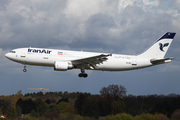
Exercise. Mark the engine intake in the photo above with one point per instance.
(62, 65)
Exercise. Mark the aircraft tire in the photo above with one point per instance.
(24, 70)
(80, 75)
(85, 75)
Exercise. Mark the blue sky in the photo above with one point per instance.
(122, 27)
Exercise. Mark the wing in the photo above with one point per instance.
(90, 62)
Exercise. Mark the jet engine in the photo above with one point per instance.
(62, 65)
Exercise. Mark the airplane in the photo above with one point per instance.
(63, 60)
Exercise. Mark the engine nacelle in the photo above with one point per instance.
(62, 65)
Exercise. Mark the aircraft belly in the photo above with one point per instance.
(122, 65)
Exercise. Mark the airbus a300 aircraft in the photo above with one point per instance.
(63, 60)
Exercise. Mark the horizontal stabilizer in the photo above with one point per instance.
(161, 61)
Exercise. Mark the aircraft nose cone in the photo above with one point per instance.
(7, 55)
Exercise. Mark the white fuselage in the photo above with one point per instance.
(47, 57)
(63, 60)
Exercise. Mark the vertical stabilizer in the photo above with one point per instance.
(160, 47)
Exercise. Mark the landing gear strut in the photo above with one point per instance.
(83, 74)
(24, 70)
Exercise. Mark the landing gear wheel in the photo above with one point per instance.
(24, 70)
(80, 75)
(83, 75)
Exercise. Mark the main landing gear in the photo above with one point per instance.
(83, 74)
(24, 70)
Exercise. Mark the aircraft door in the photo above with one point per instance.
(23, 54)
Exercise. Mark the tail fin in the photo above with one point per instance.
(160, 47)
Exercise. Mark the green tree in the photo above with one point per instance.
(16, 97)
(20, 103)
(62, 106)
(33, 113)
(28, 106)
(146, 117)
(18, 111)
(118, 107)
(4, 105)
(69, 116)
(40, 106)
(79, 103)
(69, 109)
(0, 112)
(52, 107)
(91, 106)
(11, 113)
(161, 117)
(122, 116)
(19, 94)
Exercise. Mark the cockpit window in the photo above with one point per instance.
(12, 51)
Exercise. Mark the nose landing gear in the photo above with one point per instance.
(24, 70)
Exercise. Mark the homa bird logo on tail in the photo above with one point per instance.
(161, 46)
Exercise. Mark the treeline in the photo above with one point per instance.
(54, 95)
(152, 104)
(112, 103)
(113, 100)
(96, 105)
